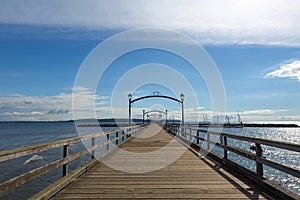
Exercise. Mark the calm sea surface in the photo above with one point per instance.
(286, 157)
(14, 135)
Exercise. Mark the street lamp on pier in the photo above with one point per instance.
(129, 101)
(182, 109)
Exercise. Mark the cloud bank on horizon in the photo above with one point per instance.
(20, 107)
(269, 22)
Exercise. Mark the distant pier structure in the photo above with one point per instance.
(156, 94)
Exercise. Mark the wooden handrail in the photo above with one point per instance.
(193, 139)
(273, 143)
(182, 131)
(24, 151)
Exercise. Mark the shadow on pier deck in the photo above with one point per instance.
(189, 177)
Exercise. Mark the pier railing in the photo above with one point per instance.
(192, 136)
(117, 136)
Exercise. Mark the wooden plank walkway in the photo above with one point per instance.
(189, 177)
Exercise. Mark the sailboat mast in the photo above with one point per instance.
(239, 119)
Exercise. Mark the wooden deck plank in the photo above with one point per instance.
(189, 177)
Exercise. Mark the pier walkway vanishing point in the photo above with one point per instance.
(188, 177)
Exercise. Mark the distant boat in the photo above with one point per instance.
(240, 122)
(205, 122)
(227, 124)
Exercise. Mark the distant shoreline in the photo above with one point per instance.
(272, 125)
(102, 125)
(244, 125)
(122, 122)
(262, 125)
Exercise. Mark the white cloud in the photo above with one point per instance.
(290, 70)
(262, 112)
(292, 119)
(57, 107)
(248, 115)
(209, 21)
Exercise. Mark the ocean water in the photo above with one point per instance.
(14, 135)
(285, 157)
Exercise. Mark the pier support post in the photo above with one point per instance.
(93, 144)
(259, 166)
(123, 136)
(65, 154)
(198, 135)
(208, 140)
(117, 135)
(225, 144)
(107, 139)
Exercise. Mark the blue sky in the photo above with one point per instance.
(255, 45)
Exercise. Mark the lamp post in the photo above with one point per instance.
(166, 117)
(129, 101)
(182, 110)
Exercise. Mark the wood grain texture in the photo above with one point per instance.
(189, 177)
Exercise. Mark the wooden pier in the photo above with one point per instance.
(145, 173)
(189, 177)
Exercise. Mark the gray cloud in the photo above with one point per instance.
(27, 102)
(57, 111)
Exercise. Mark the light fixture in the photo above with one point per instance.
(129, 96)
(182, 96)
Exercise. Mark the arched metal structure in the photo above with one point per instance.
(151, 111)
(156, 94)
